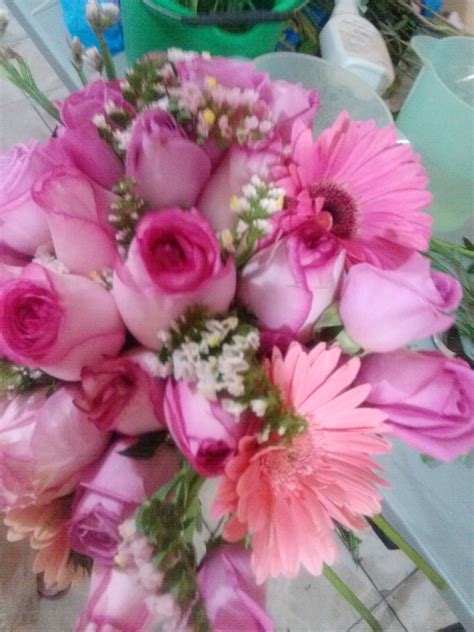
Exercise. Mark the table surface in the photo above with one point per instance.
(431, 506)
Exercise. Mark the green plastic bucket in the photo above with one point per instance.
(160, 24)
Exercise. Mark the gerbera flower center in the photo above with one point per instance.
(287, 467)
(338, 213)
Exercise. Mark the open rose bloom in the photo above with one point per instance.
(193, 287)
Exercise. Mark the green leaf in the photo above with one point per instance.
(468, 243)
(146, 446)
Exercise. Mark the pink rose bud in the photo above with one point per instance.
(124, 393)
(116, 602)
(79, 108)
(45, 445)
(235, 171)
(289, 284)
(110, 493)
(384, 310)
(170, 169)
(57, 322)
(428, 398)
(173, 262)
(290, 103)
(77, 212)
(204, 432)
(23, 225)
(232, 599)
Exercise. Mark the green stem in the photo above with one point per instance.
(106, 56)
(447, 244)
(80, 74)
(409, 551)
(351, 598)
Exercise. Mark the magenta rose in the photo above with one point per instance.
(170, 169)
(57, 322)
(116, 603)
(45, 445)
(204, 432)
(110, 493)
(288, 285)
(23, 225)
(80, 107)
(232, 599)
(124, 393)
(290, 103)
(428, 398)
(383, 310)
(234, 171)
(77, 212)
(173, 262)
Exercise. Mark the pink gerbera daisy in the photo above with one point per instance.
(357, 182)
(290, 496)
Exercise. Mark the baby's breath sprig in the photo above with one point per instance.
(148, 80)
(125, 211)
(219, 355)
(113, 126)
(259, 201)
(16, 379)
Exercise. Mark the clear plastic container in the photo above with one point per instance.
(339, 90)
(438, 119)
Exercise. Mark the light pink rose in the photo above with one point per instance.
(80, 107)
(116, 603)
(57, 322)
(124, 394)
(235, 170)
(383, 310)
(290, 103)
(23, 225)
(45, 445)
(77, 212)
(170, 169)
(428, 398)
(110, 493)
(289, 284)
(173, 262)
(232, 599)
(204, 432)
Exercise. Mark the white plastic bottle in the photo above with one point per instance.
(351, 41)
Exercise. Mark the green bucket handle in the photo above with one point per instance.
(244, 18)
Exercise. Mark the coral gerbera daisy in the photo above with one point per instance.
(290, 496)
(358, 183)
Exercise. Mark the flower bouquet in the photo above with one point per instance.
(192, 287)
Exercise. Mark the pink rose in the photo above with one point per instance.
(204, 432)
(57, 322)
(85, 150)
(428, 398)
(116, 603)
(80, 107)
(383, 310)
(23, 225)
(290, 103)
(235, 170)
(232, 599)
(45, 445)
(173, 262)
(77, 212)
(289, 284)
(124, 394)
(110, 493)
(227, 72)
(170, 169)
